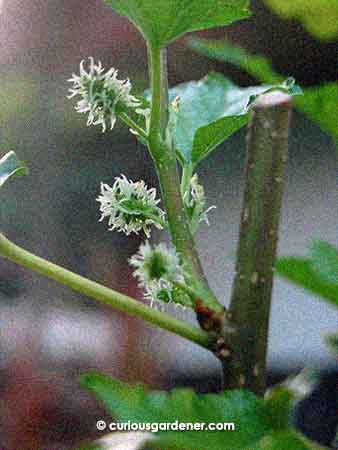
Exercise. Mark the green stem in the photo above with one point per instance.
(251, 295)
(133, 125)
(185, 182)
(187, 289)
(163, 154)
(105, 295)
(160, 97)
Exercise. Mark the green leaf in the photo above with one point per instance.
(319, 103)
(279, 401)
(10, 166)
(257, 423)
(210, 111)
(325, 261)
(163, 21)
(320, 17)
(207, 138)
(137, 404)
(290, 440)
(258, 66)
(318, 274)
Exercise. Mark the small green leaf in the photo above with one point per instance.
(207, 138)
(163, 21)
(320, 17)
(318, 274)
(10, 166)
(210, 111)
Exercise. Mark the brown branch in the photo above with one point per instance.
(251, 296)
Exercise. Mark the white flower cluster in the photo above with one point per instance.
(130, 206)
(196, 204)
(158, 270)
(101, 93)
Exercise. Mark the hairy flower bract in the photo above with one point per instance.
(101, 94)
(130, 206)
(196, 204)
(158, 269)
(155, 263)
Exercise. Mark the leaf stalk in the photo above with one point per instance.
(101, 293)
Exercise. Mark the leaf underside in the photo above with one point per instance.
(163, 21)
(210, 111)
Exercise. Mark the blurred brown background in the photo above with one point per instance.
(49, 335)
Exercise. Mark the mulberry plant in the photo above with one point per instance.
(180, 127)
